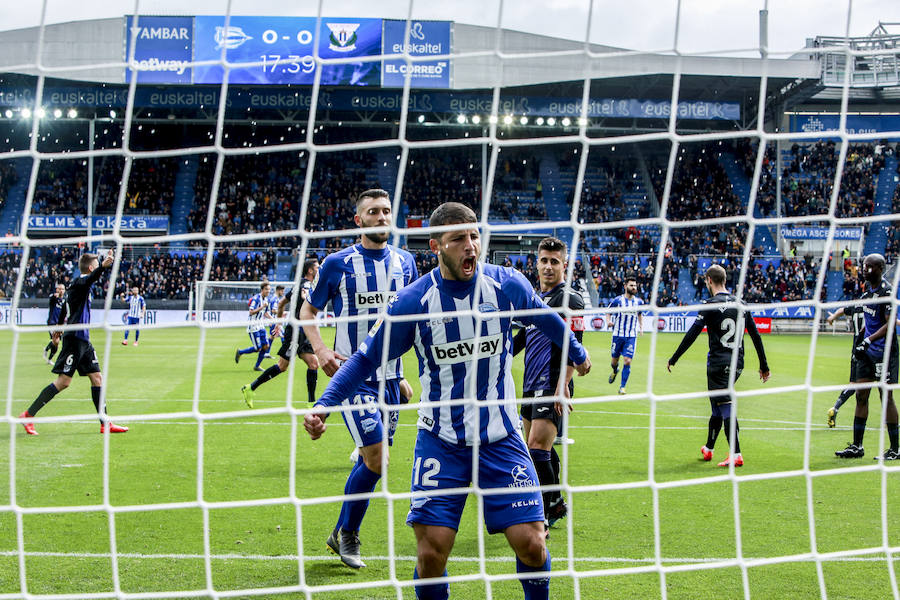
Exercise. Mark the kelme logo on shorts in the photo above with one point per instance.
(463, 350)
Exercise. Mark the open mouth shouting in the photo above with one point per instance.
(467, 267)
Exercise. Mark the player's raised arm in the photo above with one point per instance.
(838, 313)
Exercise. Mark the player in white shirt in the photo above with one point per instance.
(136, 310)
(627, 325)
(258, 308)
(463, 356)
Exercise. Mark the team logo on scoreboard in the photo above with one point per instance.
(343, 36)
(230, 37)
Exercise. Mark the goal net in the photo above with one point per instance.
(224, 150)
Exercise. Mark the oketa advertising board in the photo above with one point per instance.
(284, 48)
(163, 48)
(98, 223)
(426, 38)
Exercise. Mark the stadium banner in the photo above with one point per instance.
(855, 123)
(373, 99)
(117, 316)
(821, 233)
(163, 48)
(268, 40)
(99, 223)
(426, 38)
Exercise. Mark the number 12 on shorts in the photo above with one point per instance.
(432, 467)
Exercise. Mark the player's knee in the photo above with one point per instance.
(311, 361)
(532, 550)
(61, 383)
(372, 456)
(432, 558)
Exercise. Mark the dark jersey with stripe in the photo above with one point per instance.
(857, 322)
(725, 331)
(56, 306)
(306, 287)
(876, 315)
(543, 358)
(77, 308)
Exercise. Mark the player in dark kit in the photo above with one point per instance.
(873, 355)
(858, 322)
(304, 348)
(56, 304)
(543, 420)
(77, 353)
(725, 326)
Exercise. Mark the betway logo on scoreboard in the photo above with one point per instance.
(372, 299)
(163, 48)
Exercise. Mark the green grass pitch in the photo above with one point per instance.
(612, 552)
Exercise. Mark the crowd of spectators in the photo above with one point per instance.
(808, 180)
(151, 186)
(61, 188)
(43, 270)
(610, 271)
(893, 230)
(8, 178)
(766, 281)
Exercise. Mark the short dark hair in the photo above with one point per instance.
(716, 274)
(450, 213)
(630, 278)
(308, 264)
(552, 244)
(279, 287)
(373, 193)
(84, 263)
(263, 284)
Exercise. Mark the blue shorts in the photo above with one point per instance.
(259, 339)
(504, 464)
(623, 346)
(366, 425)
(134, 320)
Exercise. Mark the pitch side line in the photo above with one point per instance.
(461, 559)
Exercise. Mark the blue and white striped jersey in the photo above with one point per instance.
(255, 302)
(459, 355)
(358, 282)
(135, 305)
(626, 322)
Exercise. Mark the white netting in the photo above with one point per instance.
(487, 163)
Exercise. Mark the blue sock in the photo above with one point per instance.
(360, 481)
(247, 350)
(260, 357)
(126, 334)
(137, 334)
(626, 372)
(434, 591)
(535, 589)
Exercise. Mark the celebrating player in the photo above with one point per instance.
(136, 309)
(626, 326)
(258, 308)
(725, 326)
(858, 323)
(57, 300)
(542, 420)
(872, 358)
(304, 349)
(461, 355)
(77, 353)
(359, 280)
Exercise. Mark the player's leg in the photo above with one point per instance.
(890, 414)
(433, 546)
(437, 465)
(519, 515)
(615, 352)
(248, 350)
(543, 433)
(47, 394)
(90, 367)
(865, 373)
(714, 383)
(831, 419)
(732, 428)
(368, 433)
(627, 356)
(262, 346)
(525, 413)
(137, 331)
(312, 374)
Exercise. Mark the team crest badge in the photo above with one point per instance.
(230, 38)
(343, 36)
